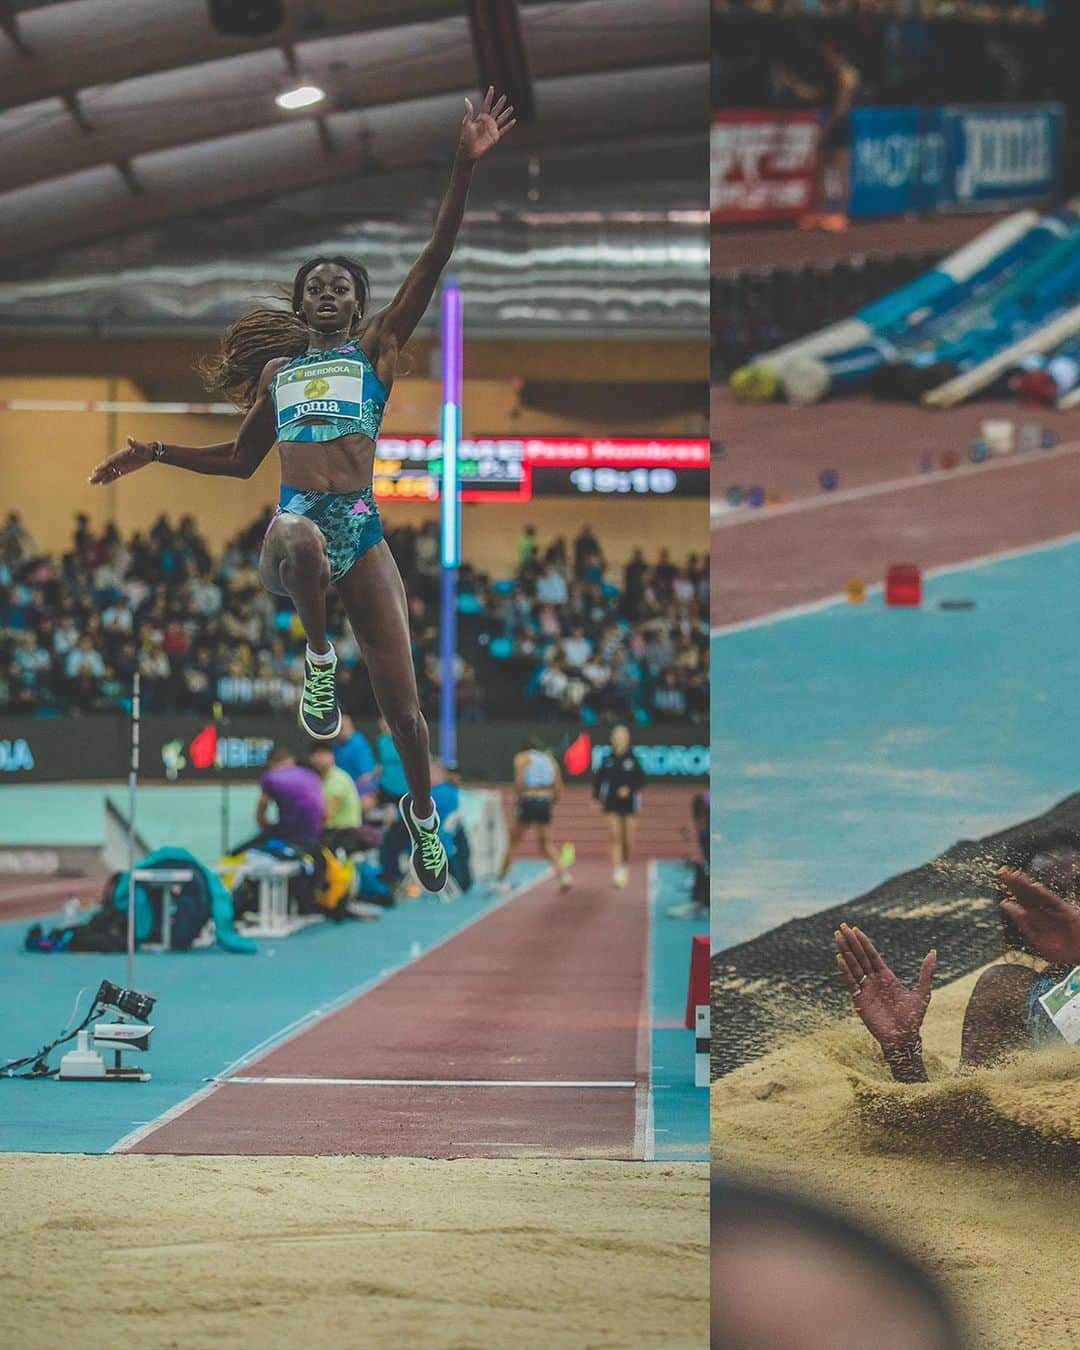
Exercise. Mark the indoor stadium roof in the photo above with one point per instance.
(134, 138)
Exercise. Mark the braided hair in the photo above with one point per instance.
(263, 334)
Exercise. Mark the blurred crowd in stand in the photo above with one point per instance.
(554, 636)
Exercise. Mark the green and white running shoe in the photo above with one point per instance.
(429, 858)
(319, 714)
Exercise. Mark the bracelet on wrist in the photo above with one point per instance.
(905, 1051)
(158, 451)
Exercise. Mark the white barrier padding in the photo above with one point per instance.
(702, 1045)
(485, 827)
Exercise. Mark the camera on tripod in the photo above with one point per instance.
(121, 1036)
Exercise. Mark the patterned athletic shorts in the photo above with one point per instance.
(349, 521)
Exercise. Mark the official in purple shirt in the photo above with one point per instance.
(296, 791)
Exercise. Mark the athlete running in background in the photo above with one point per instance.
(316, 382)
(617, 787)
(538, 784)
(834, 90)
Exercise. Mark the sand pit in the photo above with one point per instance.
(976, 1174)
(279, 1252)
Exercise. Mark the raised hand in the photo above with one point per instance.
(890, 1011)
(1049, 924)
(484, 129)
(134, 456)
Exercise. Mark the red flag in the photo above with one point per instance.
(204, 748)
(578, 755)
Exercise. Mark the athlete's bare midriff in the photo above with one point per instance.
(344, 465)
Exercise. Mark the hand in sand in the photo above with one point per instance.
(134, 456)
(891, 1012)
(1050, 924)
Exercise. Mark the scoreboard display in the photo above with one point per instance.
(519, 470)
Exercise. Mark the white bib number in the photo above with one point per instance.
(323, 388)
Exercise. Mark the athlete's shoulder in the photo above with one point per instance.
(269, 373)
(276, 364)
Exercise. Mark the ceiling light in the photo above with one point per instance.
(303, 96)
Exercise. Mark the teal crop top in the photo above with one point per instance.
(339, 387)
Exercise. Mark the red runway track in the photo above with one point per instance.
(861, 439)
(548, 988)
(773, 560)
(782, 245)
(31, 896)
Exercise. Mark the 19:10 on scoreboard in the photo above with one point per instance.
(511, 469)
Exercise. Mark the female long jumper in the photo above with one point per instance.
(315, 382)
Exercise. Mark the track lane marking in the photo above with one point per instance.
(434, 1082)
(946, 569)
(723, 517)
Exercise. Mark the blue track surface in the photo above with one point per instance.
(214, 1007)
(856, 742)
(680, 1110)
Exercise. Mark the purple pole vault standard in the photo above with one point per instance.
(451, 517)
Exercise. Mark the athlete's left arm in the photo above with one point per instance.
(847, 82)
(262, 811)
(480, 132)
(519, 774)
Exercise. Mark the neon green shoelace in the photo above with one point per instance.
(319, 689)
(431, 849)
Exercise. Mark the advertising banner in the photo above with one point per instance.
(898, 161)
(903, 160)
(193, 750)
(1001, 156)
(762, 164)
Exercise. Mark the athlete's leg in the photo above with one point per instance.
(293, 562)
(616, 838)
(517, 833)
(629, 828)
(374, 598)
(835, 188)
(547, 848)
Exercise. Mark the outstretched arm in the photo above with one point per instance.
(231, 459)
(480, 132)
(892, 1013)
(1050, 924)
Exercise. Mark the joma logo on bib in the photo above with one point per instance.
(319, 405)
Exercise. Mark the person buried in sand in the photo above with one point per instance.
(1040, 918)
(316, 380)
